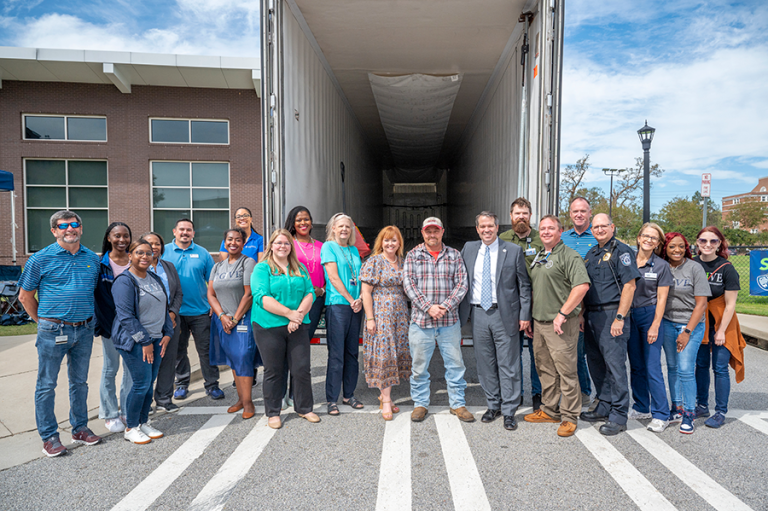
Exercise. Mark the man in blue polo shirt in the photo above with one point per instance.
(64, 275)
(581, 240)
(194, 265)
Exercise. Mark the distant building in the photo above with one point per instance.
(758, 194)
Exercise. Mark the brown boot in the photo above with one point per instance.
(418, 414)
(566, 429)
(463, 414)
(539, 416)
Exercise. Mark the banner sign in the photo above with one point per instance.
(758, 273)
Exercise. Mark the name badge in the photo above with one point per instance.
(194, 256)
(242, 328)
(61, 339)
(530, 251)
(651, 276)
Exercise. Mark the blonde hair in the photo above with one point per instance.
(656, 227)
(386, 233)
(331, 236)
(294, 267)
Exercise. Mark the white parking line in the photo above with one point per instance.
(395, 472)
(634, 484)
(146, 492)
(216, 493)
(466, 486)
(717, 496)
(754, 419)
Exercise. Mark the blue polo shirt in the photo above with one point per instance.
(194, 265)
(581, 243)
(65, 282)
(252, 248)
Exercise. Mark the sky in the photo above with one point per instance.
(696, 71)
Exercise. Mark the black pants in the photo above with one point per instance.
(276, 346)
(164, 382)
(200, 328)
(607, 358)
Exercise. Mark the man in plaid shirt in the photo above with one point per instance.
(435, 279)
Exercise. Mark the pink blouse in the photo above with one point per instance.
(309, 255)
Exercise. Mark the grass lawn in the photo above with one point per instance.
(746, 304)
(29, 328)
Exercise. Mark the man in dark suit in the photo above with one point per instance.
(498, 304)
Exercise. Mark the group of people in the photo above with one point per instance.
(584, 300)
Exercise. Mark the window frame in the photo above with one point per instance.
(66, 129)
(189, 121)
(66, 187)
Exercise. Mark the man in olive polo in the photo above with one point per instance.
(560, 281)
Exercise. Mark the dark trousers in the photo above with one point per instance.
(646, 378)
(343, 337)
(200, 328)
(719, 357)
(167, 372)
(143, 374)
(584, 380)
(607, 358)
(535, 381)
(277, 346)
(315, 313)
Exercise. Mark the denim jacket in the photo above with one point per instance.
(127, 330)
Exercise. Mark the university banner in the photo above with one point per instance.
(758, 273)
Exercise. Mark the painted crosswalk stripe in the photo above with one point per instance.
(634, 484)
(216, 493)
(466, 486)
(146, 492)
(754, 419)
(395, 473)
(707, 488)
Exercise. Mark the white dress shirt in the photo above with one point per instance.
(477, 274)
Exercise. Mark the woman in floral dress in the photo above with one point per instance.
(386, 357)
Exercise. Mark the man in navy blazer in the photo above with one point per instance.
(498, 304)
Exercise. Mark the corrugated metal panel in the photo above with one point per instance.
(320, 133)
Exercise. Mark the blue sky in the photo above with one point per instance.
(697, 71)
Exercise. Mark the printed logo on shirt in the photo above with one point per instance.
(626, 260)
(683, 283)
(715, 278)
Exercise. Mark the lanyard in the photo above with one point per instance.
(537, 260)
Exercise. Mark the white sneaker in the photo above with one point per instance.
(634, 414)
(114, 425)
(657, 425)
(136, 436)
(150, 431)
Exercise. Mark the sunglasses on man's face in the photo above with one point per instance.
(66, 226)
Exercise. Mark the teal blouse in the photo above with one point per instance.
(288, 291)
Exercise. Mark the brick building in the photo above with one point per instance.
(134, 137)
(758, 194)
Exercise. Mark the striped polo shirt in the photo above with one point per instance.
(65, 282)
(581, 243)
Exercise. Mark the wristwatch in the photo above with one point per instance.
(687, 331)
(620, 317)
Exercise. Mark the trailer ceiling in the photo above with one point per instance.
(400, 37)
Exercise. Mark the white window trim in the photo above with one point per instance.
(189, 130)
(66, 129)
(736, 201)
(66, 187)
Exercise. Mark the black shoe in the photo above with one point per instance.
(536, 401)
(490, 415)
(510, 423)
(593, 417)
(611, 428)
(168, 407)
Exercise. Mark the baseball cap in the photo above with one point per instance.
(432, 221)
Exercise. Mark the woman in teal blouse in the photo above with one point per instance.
(282, 297)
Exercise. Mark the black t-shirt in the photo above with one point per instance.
(726, 278)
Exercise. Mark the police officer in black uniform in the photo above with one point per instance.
(612, 269)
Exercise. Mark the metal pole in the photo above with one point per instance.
(646, 182)
(610, 199)
(704, 213)
(13, 225)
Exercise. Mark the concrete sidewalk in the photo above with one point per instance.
(19, 441)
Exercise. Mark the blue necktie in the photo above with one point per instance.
(486, 293)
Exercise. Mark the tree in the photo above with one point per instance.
(628, 187)
(684, 215)
(749, 214)
(570, 181)
(594, 195)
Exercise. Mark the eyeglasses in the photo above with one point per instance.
(281, 244)
(600, 227)
(704, 241)
(141, 253)
(649, 237)
(66, 225)
(242, 217)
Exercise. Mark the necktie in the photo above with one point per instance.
(486, 293)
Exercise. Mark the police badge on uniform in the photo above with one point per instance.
(607, 256)
(626, 260)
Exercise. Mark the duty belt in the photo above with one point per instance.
(68, 323)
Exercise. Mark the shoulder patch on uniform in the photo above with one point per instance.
(626, 260)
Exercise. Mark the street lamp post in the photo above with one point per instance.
(612, 172)
(646, 137)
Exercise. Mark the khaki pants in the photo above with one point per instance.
(556, 362)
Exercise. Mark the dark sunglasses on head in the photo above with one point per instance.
(65, 225)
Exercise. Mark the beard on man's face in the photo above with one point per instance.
(521, 226)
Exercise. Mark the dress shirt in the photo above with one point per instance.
(477, 274)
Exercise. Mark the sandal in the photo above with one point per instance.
(395, 409)
(333, 409)
(353, 402)
(386, 416)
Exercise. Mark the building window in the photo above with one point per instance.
(754, 231)
(189, 131)
(195, 190)
(736, 201)
(65, 127)
(736, 224)
(764, 198)
(77, 185)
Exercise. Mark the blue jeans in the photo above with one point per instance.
(343, 338)
(682, 380)
(720, 357)
(535, 382)
(77, 349)
(108, 391)
(584, 381)
(143, 373)
(422, 345)
(646, 378)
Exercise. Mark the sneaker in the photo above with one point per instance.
(52, 447)
(687, 427)
(634, 414)
(150, 431)
(151, 410)
(657, 425)
(181, 393)
(86, 437)
(536, 401)
(287, 403)
(136, 436)
(715, 421)
(114, 425)
(566, 429)
(168, 407)
(702, 411)
(215, 393)
(676, 415)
